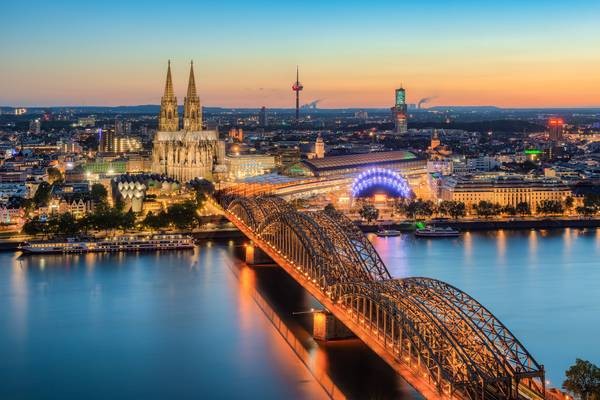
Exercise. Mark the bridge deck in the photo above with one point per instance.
(438, 338)
(357, 325)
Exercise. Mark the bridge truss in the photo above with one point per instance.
(440, 339)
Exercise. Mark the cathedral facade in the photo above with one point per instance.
(186, 152)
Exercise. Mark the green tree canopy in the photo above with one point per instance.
(99, 193)
(550, 207)
(54, 175)
(369, 212)
(487, 209)
(583, 379)
(183, 215)
(42, 195)
(522, 208)
(419, 209)
(454, 209)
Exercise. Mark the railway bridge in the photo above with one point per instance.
(438, 338)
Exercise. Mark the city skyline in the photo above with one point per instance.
(510, 55)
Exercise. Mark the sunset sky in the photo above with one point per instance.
(351, 53)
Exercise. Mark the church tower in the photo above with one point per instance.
(192, 110)
(319, 147)
(168, 119)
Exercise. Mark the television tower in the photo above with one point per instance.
(297, 87)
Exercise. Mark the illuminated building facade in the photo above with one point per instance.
(262, 116)
(188, 153)
(243, 166)
(399, 112)
(555, 129)
(319, 147)
(374, 179)
(112, 143)
(35, 126)
(504, 190)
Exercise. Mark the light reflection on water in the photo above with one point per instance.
(174, 325)
(124, 320)
(542, 284)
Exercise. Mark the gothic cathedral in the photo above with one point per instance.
(188, 153)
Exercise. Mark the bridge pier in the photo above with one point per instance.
(327, 327)
(253, 255)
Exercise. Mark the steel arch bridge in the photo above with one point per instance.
(440, 339)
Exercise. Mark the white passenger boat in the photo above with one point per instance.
(434, 231)
(113, 244)
(388, 232)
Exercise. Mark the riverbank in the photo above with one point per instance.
(12, 243)
(490, 225)
(230, 233)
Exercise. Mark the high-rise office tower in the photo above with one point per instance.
(35, 126)
(118, 126)
(262, 116)
(399, 112)
(555, 129)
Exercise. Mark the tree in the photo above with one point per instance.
(127, 220)
(65, 224)
(158, 221)
(419, 208)
(523, 208)
(329, 208)
(569, 202)
(203, 188)
(586, 211)
(98, 193)
(54, 175)
(487, 209)
(444, 207)
(592, 202)
(183, 215)
(42, 195)
(509, 210)
(34, 227)
(547, 207)
(458, 210)
(455, 209)
(583, 379)
(369, 212)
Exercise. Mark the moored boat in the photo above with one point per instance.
(436, 231)
(112, 244)
(388, 232)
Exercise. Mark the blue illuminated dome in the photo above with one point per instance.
(380, 179)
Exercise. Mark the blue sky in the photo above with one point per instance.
(350, 53)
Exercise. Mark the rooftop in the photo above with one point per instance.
(357, 160)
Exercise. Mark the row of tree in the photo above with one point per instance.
(180, 215)
(416, 209)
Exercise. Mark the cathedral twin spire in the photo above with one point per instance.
(168, 119)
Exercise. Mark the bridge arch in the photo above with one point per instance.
(305, 243)
(442, 334)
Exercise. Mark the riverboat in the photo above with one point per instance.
(112, 244)
(388, 232)
(435, 231)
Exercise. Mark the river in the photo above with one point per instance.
(186, 324)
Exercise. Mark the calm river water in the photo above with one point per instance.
(186, 324)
